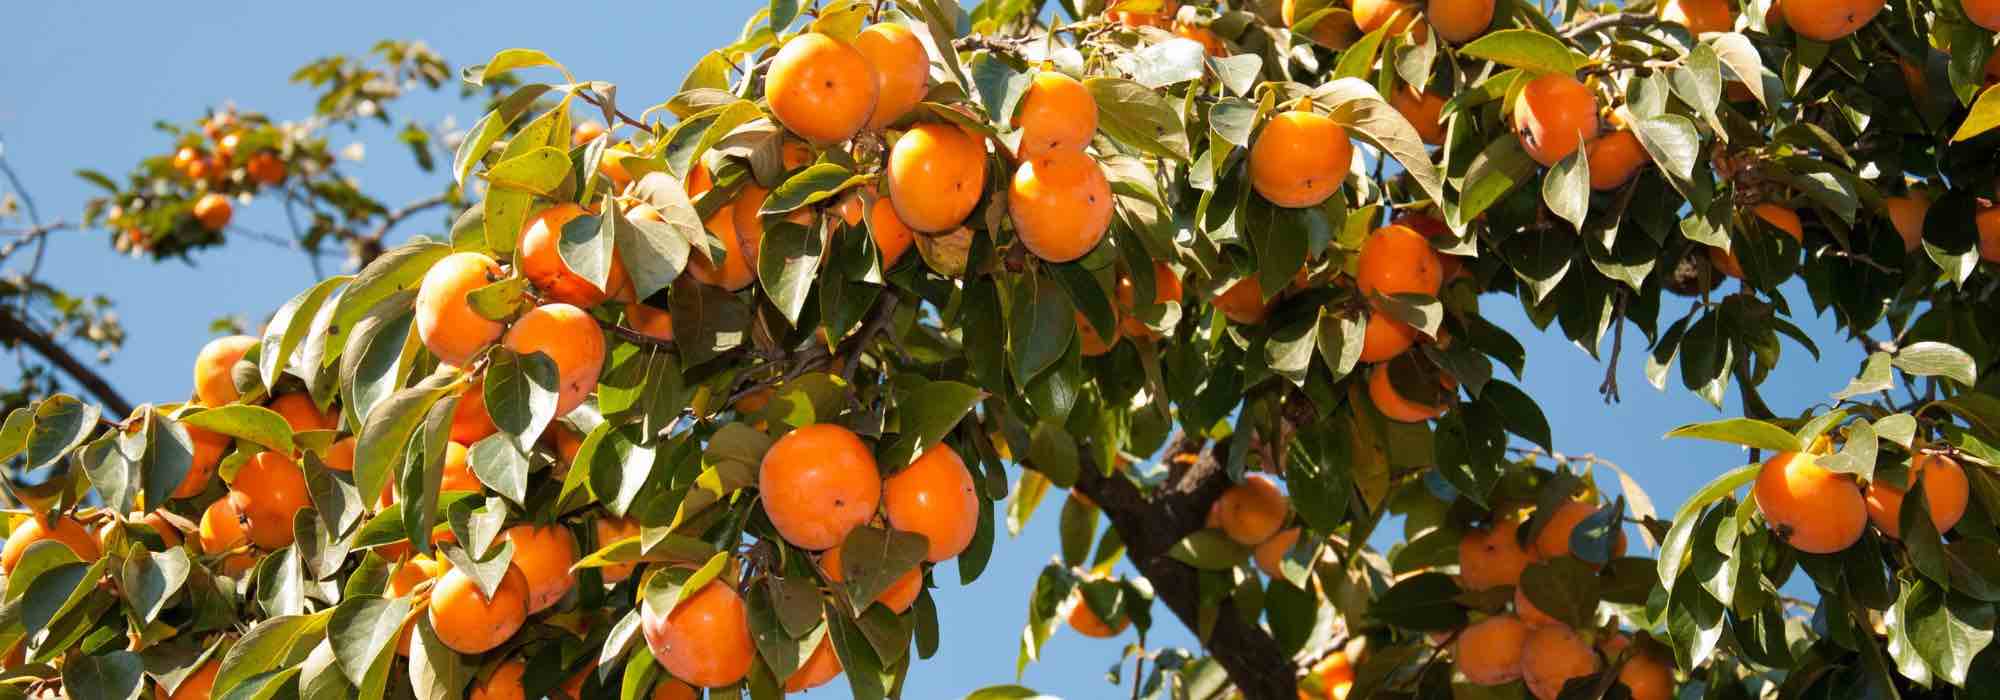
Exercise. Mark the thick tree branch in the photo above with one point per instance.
(1151, 525)
(15, 329)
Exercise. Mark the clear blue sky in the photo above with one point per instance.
(81, 86)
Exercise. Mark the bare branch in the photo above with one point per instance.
(14, 328)
(1603, 22)
(397, 216)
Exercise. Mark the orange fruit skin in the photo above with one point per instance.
(586, 131)
(1335, 673)
(651, 321)
(934, 497)
(1057, 113)
(1489, 651)
(1243, 302)
(1384, 338)
(60, 528)
(544, 555)
(1614, 159)
(818, 668)
(1492, 557)
(503, 684)
(1397, 260)
(1401, 17)
(1553, 116)
(1985, 13)
(266, 169)
(221, 528)
(1907, 214)
(1700, 16)
(673, 689)
(406, 578)
(543, 265)
(1828, 20)
(821, 88)
(449, 327)
(1166, 288)
(470, 623)
(194, 687)
(1814, 509)
(458, 474)
(1784, 218)
(1526, 610)
(1424, 111)
(892, 236)
(936, 174)
(1336, 31)
(572, 339)
(897, 597)
(1988, 221)
(1460, 21)
(1210, 43)
(340, 455)
(705, 641)
(1299, 159)
(1136, 18)
(213, 385)
(902, 70)
(301, 414)
(1270, 554)
(1253, 511)
(818, 483)
(611, 530)
(165, 530)
(470, 422)
(213, 211)
(186, 156)
(1945, 493)
(268, 490)
(1554, 539)
(1393, 405)
(1645, 677)
(1085, 621)
(1061, 204)
(208, 448)
(1093, 345)
(1553, 655)
(735, 272)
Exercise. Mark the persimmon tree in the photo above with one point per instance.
(693, 401)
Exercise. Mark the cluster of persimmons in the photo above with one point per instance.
(215, 163)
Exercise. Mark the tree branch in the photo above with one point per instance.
(397, 216)
(1603, 22)
(13, 328)
(1151, 524)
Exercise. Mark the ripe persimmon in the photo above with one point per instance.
(1777, 215)
(53, 527)
(1700, 16)
(1552, 655)
(1400, 16)
(1299, 159)
(934, 497)
(821, 88)
(1945, 493)
(1488, 652)
(470, 422)
(897, 597)
(1201, 34)
(458, 474)
(470, 622)
(207, 454)
(411, 573)
(1136, 18)
(1093, 344)
(267, 491)
(892, 236)
(449, 327)
(818, 483)
(221, 528)
(1988, 221)
(1829, 20)
(1397, 260)
(586, 131)
(187, 156)
(736, 270)
(704, 641)
(214, 366)
(1460, 21)
(1907, 214)
(649, 320)
(503, 683)
(571, 338)
(1553, 116)
(1253, 511)
(1492, 557)
(1056, 114)
(545, 554)
(168, 535)
(1270, 554)
(1243, 302)
(340, 455)
(610, 530)
(213, 211)
(301, 413)
(1554, 539)
(1813, 508)
(1166, 288)
(542, 263)
(1061, 204)
(1335, 30)
(196, 686)
(266, 169)
(1086, 622)
(1424, 111)
(1385, 337)
(1614, 159)
(816, 670)
(936, 174)
(1526, 610)
(902, 70)
(1643, 675)
(1392, 404)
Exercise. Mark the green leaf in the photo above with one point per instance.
(538, 171)
(1564, 588)
(363, 632)
(1041, 324)
(1528, 50)
(1984, 116)
(1741, 431)
(1138, 116)
(1053, 452)
(501, 466)
(1735, 52)
(387, 431)
(1425, 602)
(1875, 376)
(1007, 692)
(1566, 188)
(871, 559)
(502, 300)
(655, 252)
(150, 580)
(118, 675)
(255, 424)
(383, 352)
(1340, 340)
(619, 467)
(1674, 144)
(269, 645)
(1930, 359)
(815, 184)
(61, 424)
(1209, 549)
(521, 395)
(510, 60)
(787, 266)
(289, 326)
(1497, 171)
(1357, 106)
(399, 269)
(436, 670)
(925, 415)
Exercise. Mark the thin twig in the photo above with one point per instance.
(34, 219)
(1610, 386)
(878, 320)
(628, 120)
(32, 235)
(1603, 22)
(16, 328)
(397, 216)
